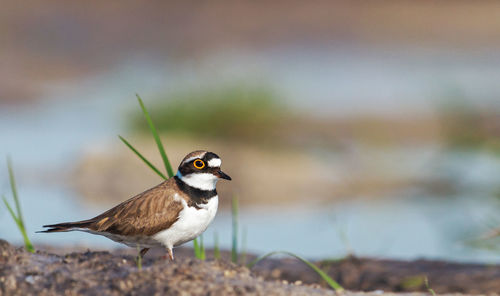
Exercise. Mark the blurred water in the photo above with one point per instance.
(345, 81)
(405, 228)
(49, 136)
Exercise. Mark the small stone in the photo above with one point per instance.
(228, 273)
(30, 279)
(122, 285)
(11, 283)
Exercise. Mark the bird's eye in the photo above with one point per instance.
(199, 164)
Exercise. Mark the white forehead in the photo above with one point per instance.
(194, 157)
(214, 162)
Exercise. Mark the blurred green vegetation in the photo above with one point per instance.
(469, 127)
(224, 111)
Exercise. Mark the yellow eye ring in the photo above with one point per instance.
(199, 164)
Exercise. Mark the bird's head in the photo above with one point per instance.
(201, 169)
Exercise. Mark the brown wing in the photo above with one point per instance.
(145, 214)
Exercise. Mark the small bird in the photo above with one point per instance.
(172, 213)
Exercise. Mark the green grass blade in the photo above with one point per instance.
(203, 255)
(331, 282)
(258, 259)
(13, 187)
(196, 247)
(168, 167)
(11, 211)
(27, 243)
(216, 246)
(147, 162)
(244, 246)
(234, 248)
(18, 219)
(426, 281)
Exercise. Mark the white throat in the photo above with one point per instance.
(202, 181)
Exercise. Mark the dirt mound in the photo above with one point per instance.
(103, 273)
(365, 274)
(116, 273)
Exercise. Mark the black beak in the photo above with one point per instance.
(222, 175)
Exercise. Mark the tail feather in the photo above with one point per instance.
(66, 226)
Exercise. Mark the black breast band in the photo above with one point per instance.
(198, 196)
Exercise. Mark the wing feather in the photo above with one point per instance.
(147, 213)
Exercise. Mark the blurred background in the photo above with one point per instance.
(349, 127)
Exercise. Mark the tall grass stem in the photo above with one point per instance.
(196, 247)
(216, 246)
(147, 162)
(203, 255)
(426, 281)
(234, 211)
(168, 167)
(17, 217)
(331, 282)
(243, 256)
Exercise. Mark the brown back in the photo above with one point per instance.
(144, 214)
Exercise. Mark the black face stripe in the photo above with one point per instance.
(189, 168)
(198, 196)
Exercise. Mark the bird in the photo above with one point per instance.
(170, 214)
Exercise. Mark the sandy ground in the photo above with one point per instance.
(116, 273)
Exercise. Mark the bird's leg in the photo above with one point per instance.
(143, 252)
(170, 254)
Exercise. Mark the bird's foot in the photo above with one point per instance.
(170, 255)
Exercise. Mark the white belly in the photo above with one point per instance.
(191, 223)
